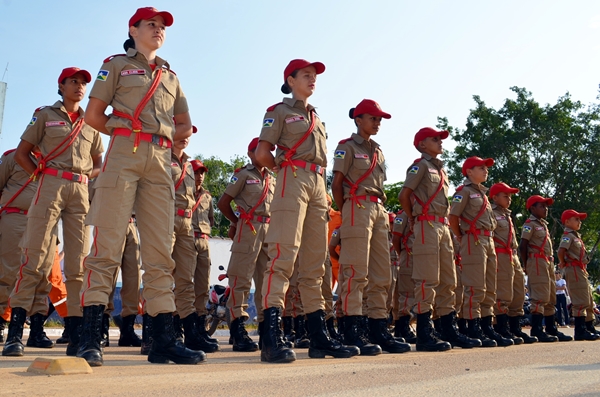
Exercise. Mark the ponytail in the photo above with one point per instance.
(130, 43)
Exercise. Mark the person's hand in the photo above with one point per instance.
(411, 223)
(231, 231)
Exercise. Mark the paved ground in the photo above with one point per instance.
(556, 369)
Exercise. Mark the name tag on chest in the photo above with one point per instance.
(433, 171)
(475, 195)
(294, 119)
(55, 123)
(361, 156)
(130, 72)
(252, 181)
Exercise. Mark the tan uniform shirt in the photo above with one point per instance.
(122, 83)
(393, 254)
(204, 212)
(571, 241)
(184, 195)
(246, 187)
(467, 203)
(402, 228)
(50, 126)
(352, 158)
(336, 239)
(504, 226)
(535, 231)
(12, 178)
(286, 124)
(423, 178)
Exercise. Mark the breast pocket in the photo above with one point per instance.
(167, 93)
(296, 127)
(55, 135)
(86, 138)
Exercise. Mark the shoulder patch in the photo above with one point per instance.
(339, 154)
(526, 229)
(272, 107)
(233, 179)
(40, 108)
(33, 120)
(398, 221)
(335, 233)
(268, 123)
(566, 239)
(414, 169)
(113, 56)
(457, 198)
(344, 141)
(102, 75)
(9, 152)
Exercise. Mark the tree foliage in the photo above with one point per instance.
(392, 191)
(549, 150)
(216, 181)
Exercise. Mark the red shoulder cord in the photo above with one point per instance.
(136, 124)
(289, 153)
(247, 216)
(69, 139)
(354, 186)
(195, 207)
(472, 224)
(575, 262)
(425, 205)
(507, 245)
(182, 177)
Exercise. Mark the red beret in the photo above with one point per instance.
(149, 13)
(72, 71)
(198, 165)
(474, 162)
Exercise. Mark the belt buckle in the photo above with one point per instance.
(76, 177)
(156, 139)
(318, 169)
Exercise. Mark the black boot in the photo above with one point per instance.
(379, 334)
(551, 329)
(589, 325)
(503, 329)
(426, 340)
(193, 339)
(333, 334)
(288, 328)
(166, 347)
(581, 332)
(241, 340)
(64, 338)
(402, 330)
(2, 324)
(462, 326)
(127, 336)
(451, 333)
(301, 341)
(538, 331)
(476, 332)
(73, 324)
(437, 328)
(274, 349)
(488, 330)
(201, 327)
(355, 335)
(14, 347)
(146, 334)
(321, 344)
(104, 337)
(515, 329)
(91, 333)
(341, 328)
(37, 336)
(178, 328)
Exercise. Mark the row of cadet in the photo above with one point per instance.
(280, 225)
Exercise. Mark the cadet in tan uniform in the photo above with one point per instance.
(402, 240)
(510, 285)
(536, 251)
(472, 221)
(184, 248)
(145, 96)
(357, 187)
(202, 221)
(71, 154)
(251, 188)
(298, 212)
(573, 258)
(424, 199)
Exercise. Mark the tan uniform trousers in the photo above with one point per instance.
(434, 272)
(459, 292)
(579, 290)
(392, 295)
(542, 286)
(248, 260)
(293, 302)
(12, 228)
(405, 286)
(365, 257)
(130, 275)
(478, 276)
(202, 275)
(298, 229)
(130, 181)
(590, 316)
(515, 308)
(184, 255)
(504, 282)
(326, 288)
(57, 198)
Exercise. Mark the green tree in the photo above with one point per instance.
(216, 181)
(549, 150)
(392, 191)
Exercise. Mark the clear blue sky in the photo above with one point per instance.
(419, 60)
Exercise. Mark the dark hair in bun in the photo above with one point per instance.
(129, 43)
(285, 88)
(351, 113)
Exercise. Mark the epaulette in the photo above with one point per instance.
(400, 211)
(461, 187)
(272, 107)
(9, 152)
(112, 56)
(166, 68)
(239, 169)
(528, 220)
(417, 160)
(344, 140)
(40, 108)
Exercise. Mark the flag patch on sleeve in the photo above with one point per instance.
(33, 120)
(566, 239)
(398, 220)
(414, 169)
(234, 179)
(527, 229)
(268, 123)
(339, 154)
(102, 75)
(457, 199)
